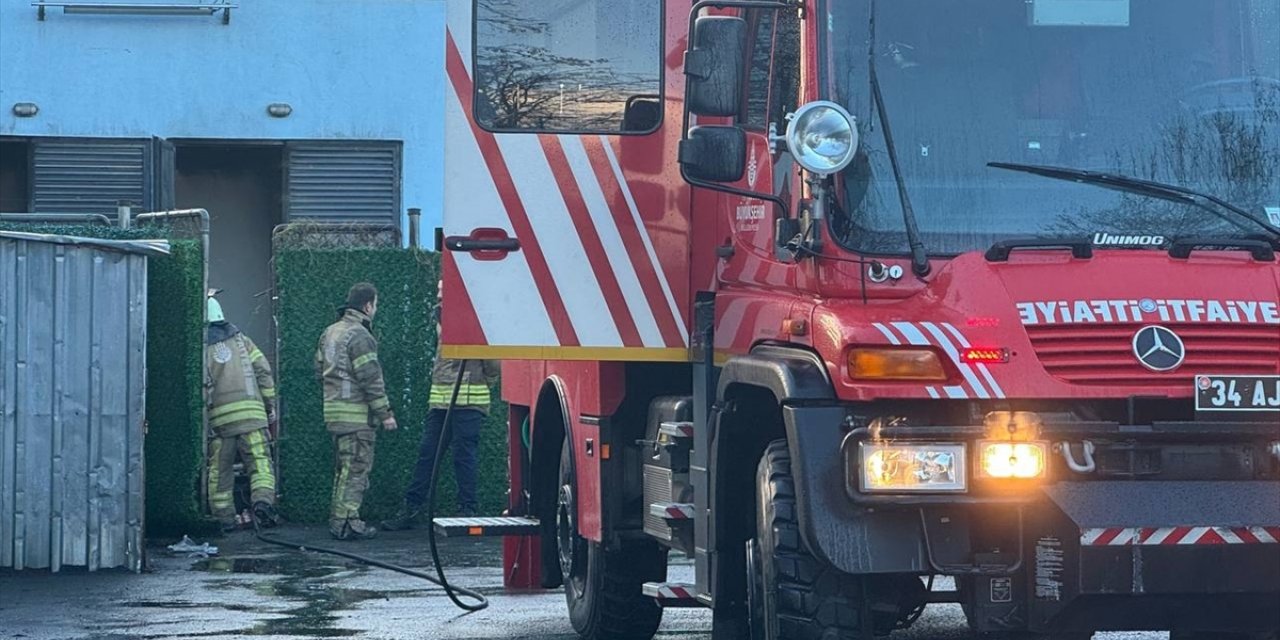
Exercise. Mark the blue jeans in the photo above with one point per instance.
(465, 436)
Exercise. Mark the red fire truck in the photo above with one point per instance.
(837, 297)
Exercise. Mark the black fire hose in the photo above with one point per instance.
(455, 593)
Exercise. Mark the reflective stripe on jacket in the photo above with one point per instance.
(347, 364)
(241, 390)
(476, 380)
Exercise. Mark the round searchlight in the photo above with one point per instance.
(822, 137)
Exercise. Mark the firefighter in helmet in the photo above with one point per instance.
(467, 420)
(242, 402)
(355, 403)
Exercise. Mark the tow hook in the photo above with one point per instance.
(1275, 450)
(1088, 466)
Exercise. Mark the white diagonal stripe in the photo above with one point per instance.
(458, 18)
(494, 286)
(933, 393)
(888, 335)
(1194, 535)
(1158, 536)
(1261, 534)
(1090, 536)
(1228, 535)
(615, 251)
(1127, 536)
(955, 392)
(982, 368)
(965, 370)
(644, 237)
(561, 245)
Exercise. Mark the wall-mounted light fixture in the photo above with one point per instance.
(25, 109)
(87, 7)
(279, 110)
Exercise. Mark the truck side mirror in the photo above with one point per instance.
(715, 66)
(714, 153)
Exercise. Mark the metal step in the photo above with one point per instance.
(672, 512)
(498, 526)
(676, 429)
(671, 594)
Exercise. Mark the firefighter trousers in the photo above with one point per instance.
(353, 460)
(256, 457)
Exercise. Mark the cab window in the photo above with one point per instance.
(583, 66)
(773, 79)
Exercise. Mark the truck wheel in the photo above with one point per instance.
(799, 597)
(602, 587)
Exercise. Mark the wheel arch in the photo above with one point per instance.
(549, 427)
(751, 394)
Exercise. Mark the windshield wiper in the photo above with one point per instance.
(919, 259)
(1172, 193)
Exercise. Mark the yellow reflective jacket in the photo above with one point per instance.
(355, 396)
(241, 390)
(476, 380)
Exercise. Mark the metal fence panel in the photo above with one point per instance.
(72, 394)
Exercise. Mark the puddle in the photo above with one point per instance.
(293, 565)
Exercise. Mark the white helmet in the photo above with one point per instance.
(215, 311)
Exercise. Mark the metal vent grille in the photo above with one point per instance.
(338, 182)
(657, 488)
(89, 176)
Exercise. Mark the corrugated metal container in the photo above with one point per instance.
(73, 332)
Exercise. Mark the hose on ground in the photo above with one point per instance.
(455, 593)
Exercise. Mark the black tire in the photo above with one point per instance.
(799, 597)
(601, 587)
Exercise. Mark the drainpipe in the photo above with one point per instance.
(55, 217)
(203, 216)
(123, 212)
(415, 222)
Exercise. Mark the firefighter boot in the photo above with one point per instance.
(265, 515)
(407, 517)
(351, 529)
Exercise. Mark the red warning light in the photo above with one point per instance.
(984, 355)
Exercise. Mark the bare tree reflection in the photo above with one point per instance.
(522, 83)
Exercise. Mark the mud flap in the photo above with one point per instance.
(1155, 555)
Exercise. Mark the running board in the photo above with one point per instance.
(671, 594)
(487, 527)
(673, 512)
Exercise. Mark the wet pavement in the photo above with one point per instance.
(255, 590)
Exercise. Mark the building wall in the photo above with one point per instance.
(351, 69)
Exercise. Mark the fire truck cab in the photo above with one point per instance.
(840, 297)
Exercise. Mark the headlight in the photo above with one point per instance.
(822, 138)
(1013, 459)
(912, 467)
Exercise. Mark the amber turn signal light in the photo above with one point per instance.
(895, 364)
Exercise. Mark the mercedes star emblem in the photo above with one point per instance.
(1158, 348)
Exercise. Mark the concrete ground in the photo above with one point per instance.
(254, 590)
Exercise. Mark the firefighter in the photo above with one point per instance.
(242, 402)
(355, 402)
(467, 420)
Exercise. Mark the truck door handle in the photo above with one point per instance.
(485, 243)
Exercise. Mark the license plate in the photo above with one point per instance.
(1237, 393)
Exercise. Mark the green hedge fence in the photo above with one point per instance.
(311, 284)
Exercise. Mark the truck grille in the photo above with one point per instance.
(1097, 354)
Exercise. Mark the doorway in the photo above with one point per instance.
(15, 176)
(241, 187)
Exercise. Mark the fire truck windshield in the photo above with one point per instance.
(1185, 92)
